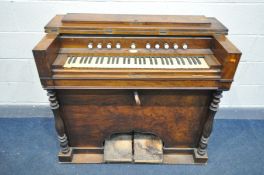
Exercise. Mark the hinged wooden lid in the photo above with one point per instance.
(124, 24)
(134, 19)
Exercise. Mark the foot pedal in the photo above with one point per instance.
(118, 148)
(147, 149)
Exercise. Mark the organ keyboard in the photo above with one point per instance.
(186, 62)
(122, 85)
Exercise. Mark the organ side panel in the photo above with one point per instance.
(45, 54)
(229, 57)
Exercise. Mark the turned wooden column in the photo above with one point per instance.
(208, 127)
(59, 125)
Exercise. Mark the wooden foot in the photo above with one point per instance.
(200, 159)
(65, 157)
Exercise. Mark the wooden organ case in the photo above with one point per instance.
(160, 75)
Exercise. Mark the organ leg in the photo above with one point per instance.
(65, 154)
(201, 152)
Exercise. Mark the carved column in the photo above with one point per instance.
(208, 127)
(59, 125)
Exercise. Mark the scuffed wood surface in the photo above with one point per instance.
(147, 149)
(118, 148)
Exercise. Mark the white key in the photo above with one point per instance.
(159, 65)
(104, 63)
(147, 65)
(203, 63)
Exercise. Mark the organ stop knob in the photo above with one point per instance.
(90, 45)
(109, 46)
(99, 45)
(118, 45)
(157, 46)
(175, 46)
(148, 46)
(185, 46)
(166, 46)
(133, 46)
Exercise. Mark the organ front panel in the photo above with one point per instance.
(135, 75)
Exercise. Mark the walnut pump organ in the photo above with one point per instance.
(112, 79)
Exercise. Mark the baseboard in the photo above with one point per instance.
(29, 111)
(24, 111)
(241, 113)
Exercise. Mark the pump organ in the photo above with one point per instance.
(108, 74)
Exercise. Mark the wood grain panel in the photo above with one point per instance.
(176, 117)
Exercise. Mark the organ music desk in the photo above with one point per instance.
(135, 88)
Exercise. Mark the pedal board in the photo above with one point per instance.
(136, 147)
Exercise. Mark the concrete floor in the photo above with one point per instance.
(29, 146)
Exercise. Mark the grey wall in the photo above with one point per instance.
(22, 22)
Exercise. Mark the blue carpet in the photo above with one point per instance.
(29, 146)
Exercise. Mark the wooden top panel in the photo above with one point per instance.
(106, 24)
(133, 19)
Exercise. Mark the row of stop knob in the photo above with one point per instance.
(133, 46)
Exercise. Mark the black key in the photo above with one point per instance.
(128, 60)
(113, 60)
(102, 60)
(70, 60)
(85, 60)
(194, 60)
(90, 60)
(162, 61)
(124, 60)
(81, 61)
(151, 61)
(182, 60)
(167, 61)
(198, 60)
(108, 60)
(117, 60)
(139, 60)
(155, 60)
(171, 61)
(97, 60)
(178, 61)
(74, 59)
(144, 60)
(189, 60)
